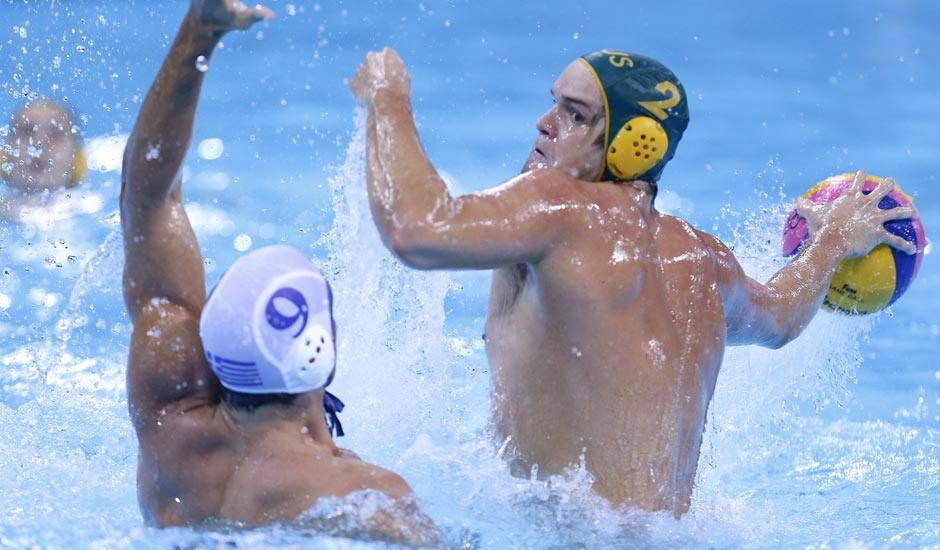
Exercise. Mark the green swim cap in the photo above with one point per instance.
(646, 111)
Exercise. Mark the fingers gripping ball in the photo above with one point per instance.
(639, 146)
(869, 284)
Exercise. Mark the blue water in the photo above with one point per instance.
(833, 440)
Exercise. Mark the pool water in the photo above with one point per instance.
(833, 440)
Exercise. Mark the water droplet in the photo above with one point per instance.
(202, 64)
(242, 242)
(211, 149)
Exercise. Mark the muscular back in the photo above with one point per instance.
(199, 464)
(609, 348)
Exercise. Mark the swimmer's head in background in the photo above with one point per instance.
(267, 326)
(646, 111)
(42, 149)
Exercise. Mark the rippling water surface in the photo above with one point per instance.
(833, 439)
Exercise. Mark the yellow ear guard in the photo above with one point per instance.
(645, 106)
(79, 167)
(639, 146)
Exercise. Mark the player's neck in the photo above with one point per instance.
(643, 193)
(307, 422)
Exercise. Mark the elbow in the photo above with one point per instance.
(411, 246)
(786, 335)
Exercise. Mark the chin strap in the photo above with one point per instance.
(333, 406)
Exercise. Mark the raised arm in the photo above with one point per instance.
(419, 220)
(164, 283)
(774, 314)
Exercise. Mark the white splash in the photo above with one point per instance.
(105, 153)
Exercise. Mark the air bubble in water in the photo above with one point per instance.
(202, 64)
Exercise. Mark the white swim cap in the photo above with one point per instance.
(267, 326)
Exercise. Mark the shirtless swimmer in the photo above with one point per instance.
(607, 319)
(227, 393)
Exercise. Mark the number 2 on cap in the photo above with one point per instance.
(659, 107)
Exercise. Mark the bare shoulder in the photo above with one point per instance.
(727, 269)
(721, 252)
(545, 185)
(364, 475)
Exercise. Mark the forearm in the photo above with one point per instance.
(152, 216)
(405, 191)
(161, 135)
(797, 291)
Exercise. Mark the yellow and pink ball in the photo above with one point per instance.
(871, 283)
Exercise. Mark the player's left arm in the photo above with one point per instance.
(775, 313)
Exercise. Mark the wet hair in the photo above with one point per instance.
(249, 402)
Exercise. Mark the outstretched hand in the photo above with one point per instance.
(857, 217)
(381, 70)
(227, 15)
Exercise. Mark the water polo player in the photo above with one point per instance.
(42, 152)
(607, 320)
(227, 393)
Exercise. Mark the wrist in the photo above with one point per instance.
(202, 33)
(387, 96)
(831, 239)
